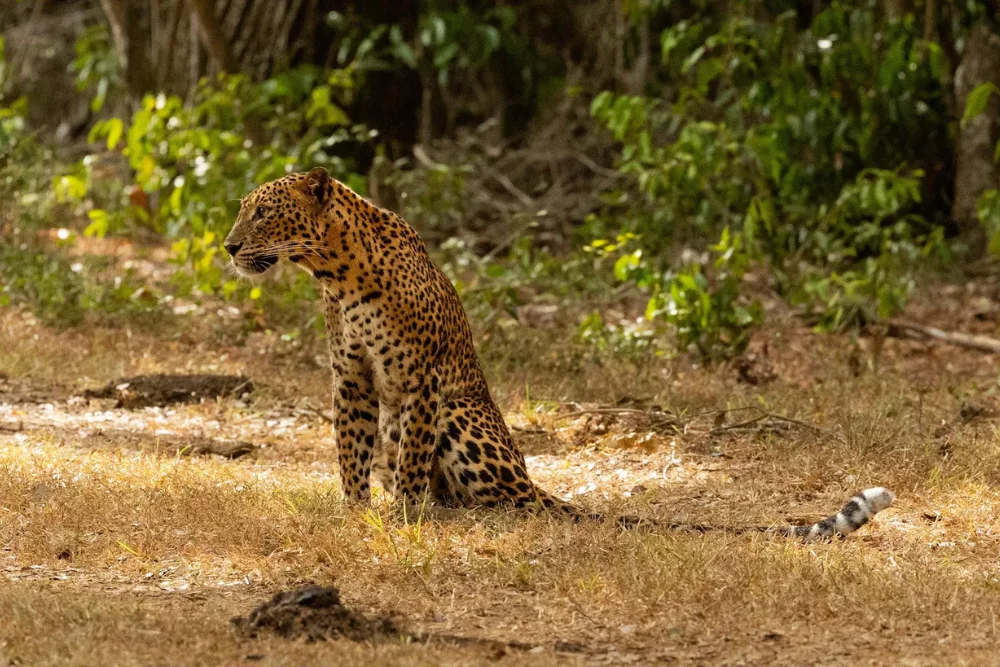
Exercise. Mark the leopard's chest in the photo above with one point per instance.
(388, 352)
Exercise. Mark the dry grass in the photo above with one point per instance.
(118, 555)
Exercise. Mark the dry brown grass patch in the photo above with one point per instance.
(129, 556)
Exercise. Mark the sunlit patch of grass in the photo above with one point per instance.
(29, 350)
(140, 557)
(81, 627)
(128, 506)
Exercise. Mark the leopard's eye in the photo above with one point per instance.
(259, 213)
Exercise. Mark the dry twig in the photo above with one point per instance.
(900, 328)
(613, 411)
(778, 418)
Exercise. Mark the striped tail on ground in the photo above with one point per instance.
(858, 511)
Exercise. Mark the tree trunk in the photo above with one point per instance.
(975, 170)
(116, 12)
(127, 21)
(165, 63)
(930, 20)
(896, 9)
(212, 38)
(639, 74)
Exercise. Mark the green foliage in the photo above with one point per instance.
(448, 39)
(710, 316)
(451, 39)
(691, 186)
(988, 206)
(24, 168)
(199, 159)
(857, 265)
(95, 66)
(458, 40)
(15, 141)
(14, 138)
(784, 131)
(628, 341)
(494, 286)
(704, 305)
(989, 217)
(802, 141)
(433, 198)
(454, 47)
(62, 291)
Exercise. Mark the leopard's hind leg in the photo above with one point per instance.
(479, 458)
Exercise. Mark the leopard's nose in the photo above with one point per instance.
(233, 248)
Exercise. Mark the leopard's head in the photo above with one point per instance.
(279, 220)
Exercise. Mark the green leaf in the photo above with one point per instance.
(115, 128)
(491, 37)
(651, 307)
(693, 59)
(70, 188)
(976, 103)
(670, 39)
(708, 71)
(742, 316)
(322, 110)
(625, 264)
(400, 49)
(99, 223)
(445, 55)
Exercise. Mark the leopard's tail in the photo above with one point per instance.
(858, 511)
(550, 503)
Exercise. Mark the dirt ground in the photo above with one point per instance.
(123, 543)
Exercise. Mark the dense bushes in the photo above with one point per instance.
(816, 146)
(798, 147)
(194, 161)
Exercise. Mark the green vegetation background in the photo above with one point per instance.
(695, 154)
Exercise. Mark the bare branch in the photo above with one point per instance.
(971, 341)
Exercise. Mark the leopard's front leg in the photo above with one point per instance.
(355, 408)
(418, 419)
(387, 448)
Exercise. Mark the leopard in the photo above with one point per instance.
(408, 387)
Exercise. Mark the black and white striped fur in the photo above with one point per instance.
(858, 511)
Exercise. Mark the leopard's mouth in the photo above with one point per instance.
(255, 266)
(262, 263)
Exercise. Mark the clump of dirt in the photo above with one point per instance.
(316, 613)
(755, 368)
(155, 390)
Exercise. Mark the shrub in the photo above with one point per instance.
(798, 141)
(195, 161)
(704, 305)
(62, 291)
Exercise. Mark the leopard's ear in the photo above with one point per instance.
(317, 183)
